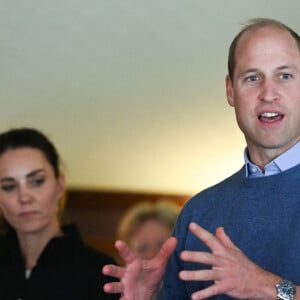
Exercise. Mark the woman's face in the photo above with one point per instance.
(29, 191)
(149, 238)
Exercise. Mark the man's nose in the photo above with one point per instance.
(269, 91)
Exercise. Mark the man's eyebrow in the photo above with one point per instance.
(285, 67)
(251, 70)
(255, 70)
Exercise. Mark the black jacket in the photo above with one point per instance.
(66, 270)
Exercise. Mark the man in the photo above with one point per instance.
(249, 248)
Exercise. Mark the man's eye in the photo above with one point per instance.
(285, 76)
(8, 188)
(252, 78)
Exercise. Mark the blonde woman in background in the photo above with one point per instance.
(146, 226)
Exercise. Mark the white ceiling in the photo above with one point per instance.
(131, 92)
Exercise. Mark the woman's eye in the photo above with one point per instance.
(38, 181)
(8, 187)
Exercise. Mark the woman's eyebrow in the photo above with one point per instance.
(34, 172)
(29, 175)
(6, 179)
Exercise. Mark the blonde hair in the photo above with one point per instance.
(165, 212)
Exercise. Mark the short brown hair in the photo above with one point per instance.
(255, 24)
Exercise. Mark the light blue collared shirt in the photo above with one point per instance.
(283, 162)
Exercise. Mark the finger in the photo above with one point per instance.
(166, 250)
(202, 275)
(206, 293)
(124, 251)
(113, 271)
(206, 237)
(199, 257)
(113, 288)
(224, 238)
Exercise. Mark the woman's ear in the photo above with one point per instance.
(60, 195)
(61, 185)
(229, 91)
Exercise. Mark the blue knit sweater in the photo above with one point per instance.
(260, 215)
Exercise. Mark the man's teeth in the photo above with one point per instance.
(269, 115)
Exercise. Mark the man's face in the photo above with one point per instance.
(265, 91)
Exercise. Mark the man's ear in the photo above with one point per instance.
(229, 91)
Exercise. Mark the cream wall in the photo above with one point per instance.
(131, 92)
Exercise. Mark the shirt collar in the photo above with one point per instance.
(283, 162)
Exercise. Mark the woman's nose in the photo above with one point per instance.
(24, 195)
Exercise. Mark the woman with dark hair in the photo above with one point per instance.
(39, 258)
